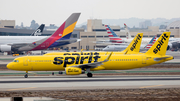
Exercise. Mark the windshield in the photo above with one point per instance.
(15, 60)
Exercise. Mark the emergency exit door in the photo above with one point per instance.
(143, 59)
(25, 61)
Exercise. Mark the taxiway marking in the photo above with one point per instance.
(21, 88)
(150, 86)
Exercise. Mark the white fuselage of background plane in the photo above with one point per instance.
(19, 39)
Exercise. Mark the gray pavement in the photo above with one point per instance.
(16, 83)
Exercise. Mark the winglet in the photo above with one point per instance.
(81, 50)
(160, 46)
(135, 44)
(108, 57)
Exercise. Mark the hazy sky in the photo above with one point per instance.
(57, 11)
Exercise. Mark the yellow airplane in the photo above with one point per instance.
(133, 48)
(77, 64)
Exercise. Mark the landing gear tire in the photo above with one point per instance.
(89, 74)
(26, 76)
(52, 73)
(60, 72)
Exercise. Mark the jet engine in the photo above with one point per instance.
(169, 46)
(73, 71)
(5, 48)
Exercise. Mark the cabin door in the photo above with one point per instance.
(25, 61)
(143, 59)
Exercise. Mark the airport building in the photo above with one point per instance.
(96, 31)
(7, 23)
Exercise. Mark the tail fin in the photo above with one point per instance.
(128, 35)
(62, 33)
(112, 36)
(135, 44)
(160, 46)
(149, 45)
(38, 31)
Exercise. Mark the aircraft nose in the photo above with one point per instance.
(10, 66)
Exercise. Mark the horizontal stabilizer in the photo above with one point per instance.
(158, 59)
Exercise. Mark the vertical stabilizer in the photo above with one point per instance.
(38, 31)
(62, 33)
(112, 36)
(128, 35)
(150, 44)
(135, 44)
(160, 46)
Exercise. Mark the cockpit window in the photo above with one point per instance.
(15, 60)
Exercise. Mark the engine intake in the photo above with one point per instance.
(5, 48)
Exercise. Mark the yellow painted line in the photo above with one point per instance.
(150, 86)
(21, 88)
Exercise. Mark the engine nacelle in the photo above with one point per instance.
(169, 46)
(5, 48)
(73, 71)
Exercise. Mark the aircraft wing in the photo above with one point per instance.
(68, 40)
(93, 65)
(17, 45)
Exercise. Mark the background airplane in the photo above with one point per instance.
(61, 36)
(143, 47)
(171, 44)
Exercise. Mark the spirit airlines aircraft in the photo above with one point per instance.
(29, 43)
(76, 64)
(122, 47)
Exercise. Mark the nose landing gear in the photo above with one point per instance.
(26, 75)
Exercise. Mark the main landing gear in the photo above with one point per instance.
(26, 75)
(89, 74)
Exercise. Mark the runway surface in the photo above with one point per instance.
(18, 83)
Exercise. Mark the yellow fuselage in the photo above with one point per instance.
(60, 62)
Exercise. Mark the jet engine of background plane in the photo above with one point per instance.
(173, 45)
(5, 48)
